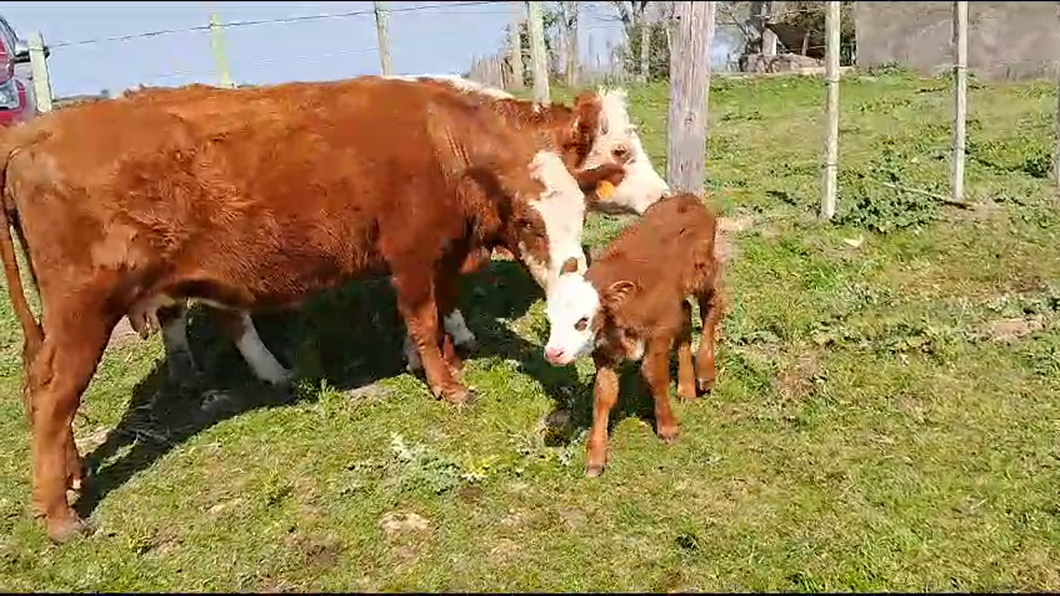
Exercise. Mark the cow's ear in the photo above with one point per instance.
(617, 293)
(591, 180)
(569, 266)
(586, 122)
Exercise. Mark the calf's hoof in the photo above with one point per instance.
(68, 527)
(705, 385)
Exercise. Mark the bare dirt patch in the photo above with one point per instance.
(1012, 329)
(797, 381)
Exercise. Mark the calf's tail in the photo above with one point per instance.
(33, 335)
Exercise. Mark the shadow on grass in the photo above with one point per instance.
(350, 337)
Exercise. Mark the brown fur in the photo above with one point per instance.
(247, 199)
(643, 278)
(571, 130)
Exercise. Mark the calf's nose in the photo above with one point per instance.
(554, 354)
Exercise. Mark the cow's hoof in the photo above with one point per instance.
(67, 528)
(461, 397)
(705, 385)
(686, 392)
(594, 470)
(668, 434)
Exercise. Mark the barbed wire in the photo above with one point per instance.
(255, 22)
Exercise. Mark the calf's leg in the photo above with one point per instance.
(75, 337)
(238, 326)
(686, 375)
(710, 312)
(605, 395)
(656, 371)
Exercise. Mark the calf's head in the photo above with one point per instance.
(580, 315)
(604, 135)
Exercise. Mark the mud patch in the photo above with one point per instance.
(395, 524)
(317, 551)
(799, 380)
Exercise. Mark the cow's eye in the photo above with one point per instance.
(620, 153)
(582, 324)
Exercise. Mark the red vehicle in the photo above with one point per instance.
(17, 100)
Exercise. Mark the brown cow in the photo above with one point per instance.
(595, 135)
(631, 305)
(125, 207)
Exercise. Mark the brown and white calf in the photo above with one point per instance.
(596, 135)
(257, 198)
(631, 305)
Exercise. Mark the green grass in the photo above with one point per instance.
(871, 430)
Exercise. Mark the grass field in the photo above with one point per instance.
(887, 415)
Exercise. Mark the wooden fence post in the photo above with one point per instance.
(1056, 151)
(536, 30)
(42, 84)
(382, 32)
(689, 94)
(831, 139)
(217, 46)
(960, 112)
(515, 50)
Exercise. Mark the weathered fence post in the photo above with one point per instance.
(38, 61)
(217, 46)
(960, 72)
(536, 30)
(689, 94)
(831, 138)
(382, 32)
(1056, 151)
(515, 51)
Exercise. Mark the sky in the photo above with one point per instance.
(426, 38)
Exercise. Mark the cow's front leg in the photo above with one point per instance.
(418, 306)
(463, 338)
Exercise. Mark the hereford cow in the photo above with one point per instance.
(594, 135)
(254, 198)
(631, 305)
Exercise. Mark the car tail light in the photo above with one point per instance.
(7, 62)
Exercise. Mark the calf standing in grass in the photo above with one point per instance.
(631, 305)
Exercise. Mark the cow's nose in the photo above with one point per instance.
(554, 354)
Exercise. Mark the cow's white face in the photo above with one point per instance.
(617, 142)
(561, 206)
(573, 305)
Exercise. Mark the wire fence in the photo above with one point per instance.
(474, 38)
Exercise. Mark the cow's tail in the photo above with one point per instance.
(33, 335)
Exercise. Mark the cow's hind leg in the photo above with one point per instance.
(238, 326)
(180, 364)
(75, 338)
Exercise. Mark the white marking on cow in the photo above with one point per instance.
(457, 327)
(562, 208)
(260, 359)
(642, 185)
(569, 300)
(458, 82)
(175, 335)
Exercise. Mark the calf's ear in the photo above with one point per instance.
(617, 293)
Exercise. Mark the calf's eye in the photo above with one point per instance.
(582, 324)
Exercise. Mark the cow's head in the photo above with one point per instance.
(604, 135)
(546, 223)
